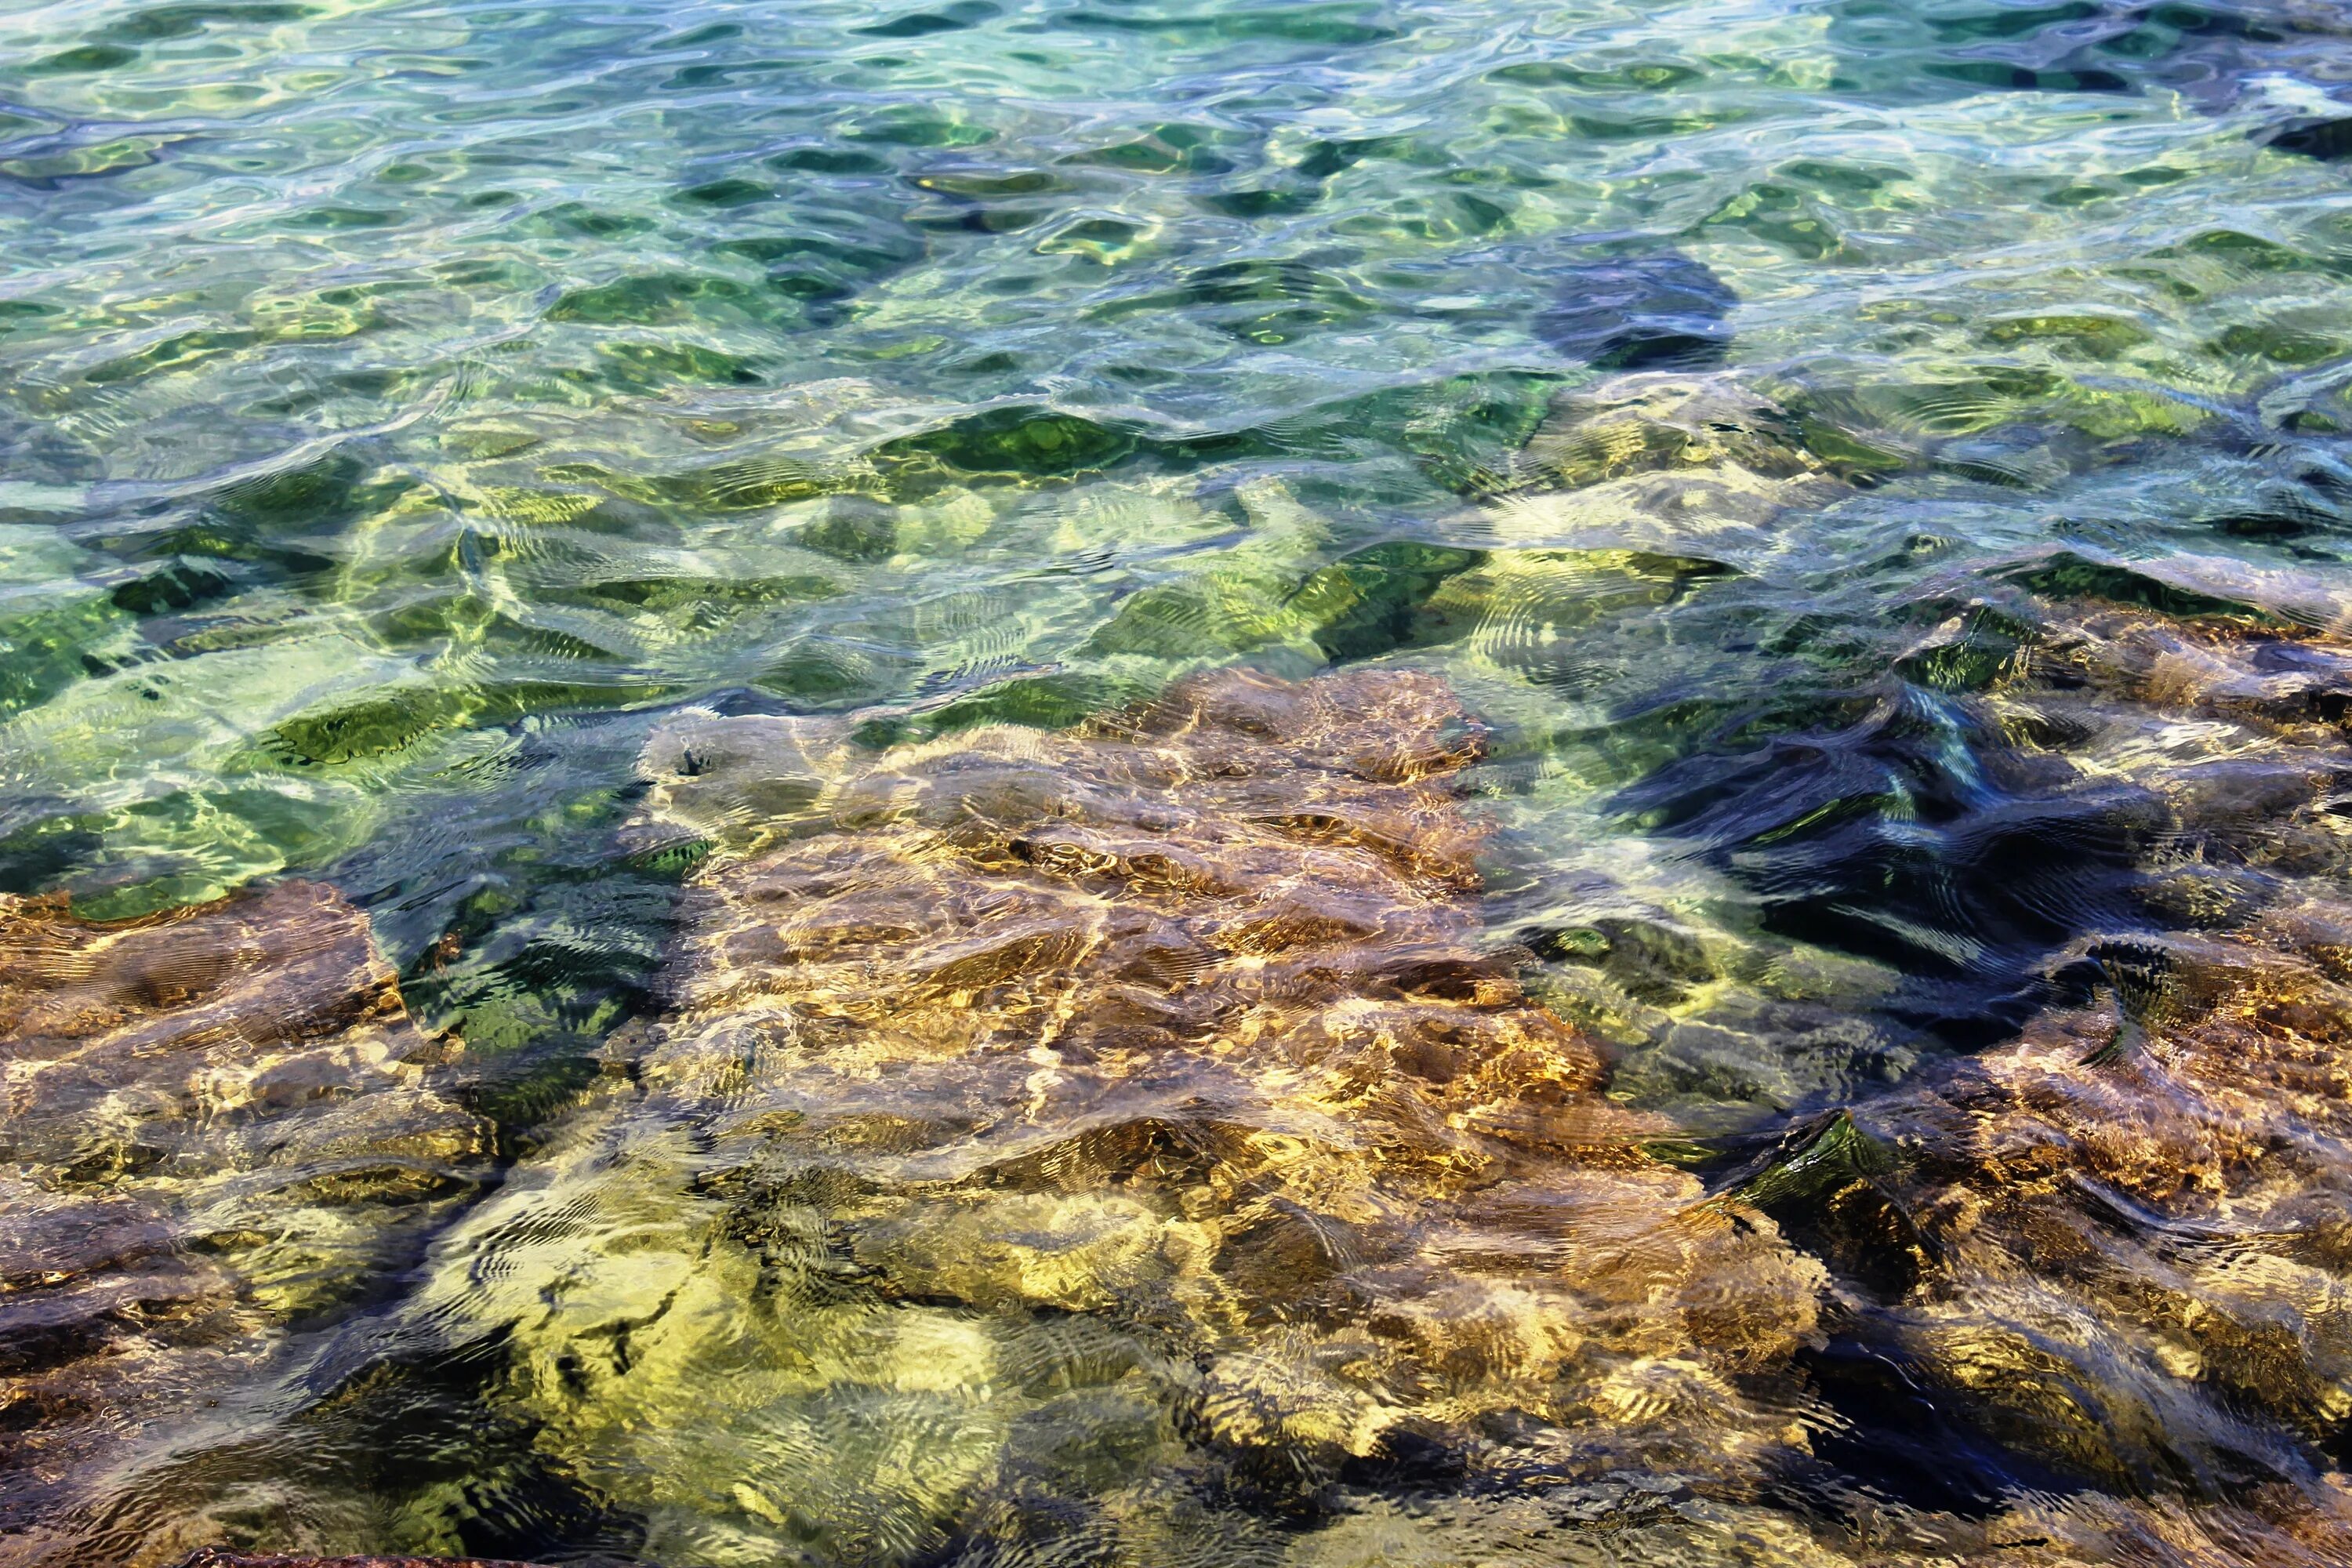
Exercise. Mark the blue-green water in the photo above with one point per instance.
(408, 409)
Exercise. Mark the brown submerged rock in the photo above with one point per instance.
(2116, 1253)
(1149, 1078)
(2120, 1246)
(1208, 976)
(1058, 1138)
(214, 1557)
(218, 1123)
(2139, 1215)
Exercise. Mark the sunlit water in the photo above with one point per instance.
(416, 418)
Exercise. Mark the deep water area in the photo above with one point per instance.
(1176, 784)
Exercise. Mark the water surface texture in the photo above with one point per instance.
(1176, 782)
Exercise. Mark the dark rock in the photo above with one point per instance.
(2325, 140)
(1641, 312)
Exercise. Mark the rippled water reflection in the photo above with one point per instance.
(1118, 782)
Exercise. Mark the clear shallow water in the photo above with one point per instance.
(411, 411)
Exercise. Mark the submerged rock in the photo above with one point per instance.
(1641, 312)
(2137, 1213)
(220, 1122)
(1146, 1082)
(2094, 1299)
(1661, 461)
(1119, 1144)
(2110, 1255)
(2090, 1296)
(1638, 1520)
(2329, 141)
(213, 1557)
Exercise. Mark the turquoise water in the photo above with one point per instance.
(409, 409)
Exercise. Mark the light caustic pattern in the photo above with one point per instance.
(1105, 781)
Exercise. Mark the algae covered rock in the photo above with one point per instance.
(1051, 1128)
(220, 1122)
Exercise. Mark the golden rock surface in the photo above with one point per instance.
(219, 1122)
(1153, 1071)
(1149, 1083)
